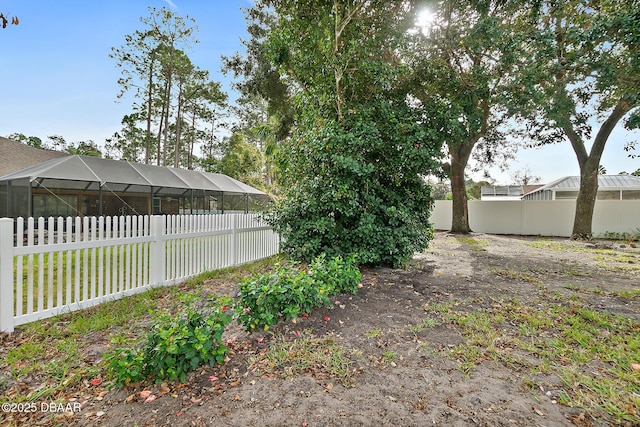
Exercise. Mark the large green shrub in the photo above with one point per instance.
(356, 187)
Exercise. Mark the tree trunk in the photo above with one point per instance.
(147, 153)
(165, 135)
(586, 201)
(176, 157)
(192, 141)
(459, 158)
(159, 138)
(585, 204)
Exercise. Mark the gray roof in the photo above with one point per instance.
(16, 156)
(91, 173)
(612, 182)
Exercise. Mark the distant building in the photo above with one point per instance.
(610, 187)
(505, 192)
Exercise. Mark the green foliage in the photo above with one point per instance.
(474, 189)
(463, 62)
(157, 71)
(126, 366)
(288, 292)
(242, 161)
(176, 344)
(337, 275)
(285, 292)
(351, 170)
(355, 187)
(580, 79)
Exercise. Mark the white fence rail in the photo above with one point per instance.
(541, 217)
(67, 264)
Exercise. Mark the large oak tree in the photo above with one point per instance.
(463, 60)
(582, 60)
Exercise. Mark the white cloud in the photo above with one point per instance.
(170, 3)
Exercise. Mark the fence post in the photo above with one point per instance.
(6, 274)
(234, 236)
(156, 251)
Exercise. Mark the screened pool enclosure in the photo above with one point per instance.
(91, 186)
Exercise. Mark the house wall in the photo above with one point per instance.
(541, 217)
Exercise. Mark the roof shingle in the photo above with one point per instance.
(15, 156)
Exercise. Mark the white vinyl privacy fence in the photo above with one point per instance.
(541, 217)
(53, 266)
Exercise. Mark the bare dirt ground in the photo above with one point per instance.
(399, 375)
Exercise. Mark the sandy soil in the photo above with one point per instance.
(420, 385)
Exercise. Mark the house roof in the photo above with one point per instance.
(611, 182)
(17, 156)
(529, 188)
(93, 173)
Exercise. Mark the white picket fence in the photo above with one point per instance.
(68, 264)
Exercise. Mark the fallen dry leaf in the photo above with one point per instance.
(145, 393)
(538, 411)
(150, 398)
(163, 391)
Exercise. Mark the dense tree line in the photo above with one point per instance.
(176, 103)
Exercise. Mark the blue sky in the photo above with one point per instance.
(57, 77)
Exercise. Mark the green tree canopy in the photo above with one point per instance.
(241, 160)
(175, 103)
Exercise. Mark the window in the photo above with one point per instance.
(630, 194)
(608, 195)
(566, 195)
(54, 205)
(157, 206)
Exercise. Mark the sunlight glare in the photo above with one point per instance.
(425, 19)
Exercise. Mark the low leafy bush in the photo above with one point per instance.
(176, 344)
(287, 292)
(337, 275)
